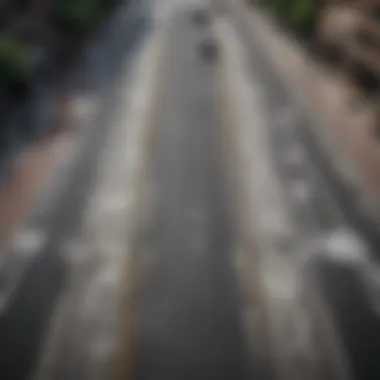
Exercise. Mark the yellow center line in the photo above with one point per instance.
(122, 366)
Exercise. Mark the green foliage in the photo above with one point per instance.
(15, 65)
(76, 17)
(302, 16)
(298, 15)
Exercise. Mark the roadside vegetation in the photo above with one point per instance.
(15, 66)
(70, 20)
(299, 16)
(38, 39)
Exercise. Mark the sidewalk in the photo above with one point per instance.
(345, 122)
(33, 166)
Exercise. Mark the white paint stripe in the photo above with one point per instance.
(110, 275)
(108, 226)
(83, 107)
(344, 246)
(276, 273)
(29, 241)
(114, 203)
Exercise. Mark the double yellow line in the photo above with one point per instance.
(121, 367)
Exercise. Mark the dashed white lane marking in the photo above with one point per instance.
(275, 273)
(281, 283)
(111, 274)
(82, 107)
(29, 241)
(344, 246)
(107, 277)
(115, 203)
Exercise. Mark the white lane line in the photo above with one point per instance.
(114, 203)
(28, 242)
(344, 246)
(268, 218)
(83, 108)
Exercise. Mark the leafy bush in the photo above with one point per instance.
(76, 17)
(302, 16)
(298, 15)
(15, 65)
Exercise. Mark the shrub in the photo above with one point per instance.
(302, 16)
(298, 15)
(15, 65)
(76, 17)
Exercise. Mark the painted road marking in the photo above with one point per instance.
(344, 246)
(83, 108)
(272, 292)
(139, 133)
(115, 203)
(109, 274)
(29, 242)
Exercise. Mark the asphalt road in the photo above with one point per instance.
(187, 306)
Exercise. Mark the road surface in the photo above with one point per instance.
(187, 304)
(193, 228)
